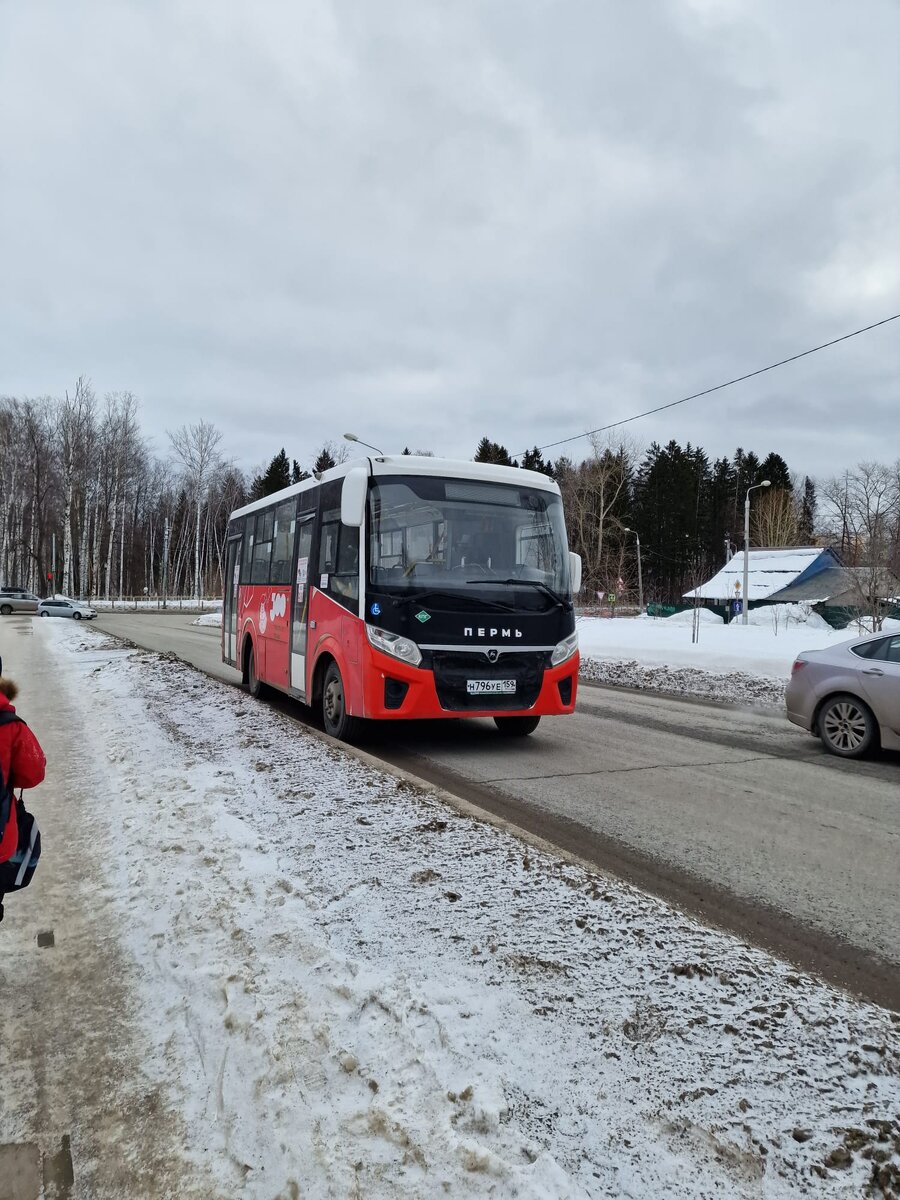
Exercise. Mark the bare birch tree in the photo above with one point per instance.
(197, 449)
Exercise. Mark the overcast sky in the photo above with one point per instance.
(430, 220)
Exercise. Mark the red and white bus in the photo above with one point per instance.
(459, 605)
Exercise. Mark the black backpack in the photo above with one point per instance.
(16, 873)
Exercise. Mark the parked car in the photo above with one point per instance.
(849, 695)
(66, 608)
(17, 600)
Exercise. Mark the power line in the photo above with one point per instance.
(708, 391)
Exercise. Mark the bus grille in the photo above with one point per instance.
(452, 671)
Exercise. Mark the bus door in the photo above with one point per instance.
(230, 603)
(300, 607)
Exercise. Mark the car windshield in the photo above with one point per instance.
(451, 534)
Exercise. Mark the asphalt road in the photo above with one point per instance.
(733, 814)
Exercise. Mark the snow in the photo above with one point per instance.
(156, 603)
(780, 616)
(704, 615)
(348, 987)
(768, 572)
(209, 619)
(756, 649)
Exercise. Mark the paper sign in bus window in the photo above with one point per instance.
(302, 570)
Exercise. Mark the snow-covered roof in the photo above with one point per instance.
(770, 570)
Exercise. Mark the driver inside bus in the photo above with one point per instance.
(345, 580)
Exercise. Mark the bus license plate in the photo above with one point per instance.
(490, 687)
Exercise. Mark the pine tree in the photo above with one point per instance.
(324, 462)
(533, 460)
(775, 469)
(493, 452)
(807, 527)
(276, 476)
(297, 473)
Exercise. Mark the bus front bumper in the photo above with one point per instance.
(394, 690)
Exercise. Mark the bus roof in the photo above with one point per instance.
(411, 464)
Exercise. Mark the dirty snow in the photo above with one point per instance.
(351, 989)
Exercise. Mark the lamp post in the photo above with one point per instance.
(640, 577)
(765, 483)
(351, 437)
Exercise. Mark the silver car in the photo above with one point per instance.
(849, 695)
(66, 608)
(17, 600)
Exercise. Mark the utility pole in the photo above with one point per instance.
(765, 483)
(640, 576)
(165, 562)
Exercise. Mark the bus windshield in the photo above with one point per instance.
(430, 532)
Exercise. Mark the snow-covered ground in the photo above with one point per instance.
(132, 605)
(350, 988)
(738, 663)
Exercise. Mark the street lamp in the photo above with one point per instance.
(765, 483)
(351, 437)
(640, 577)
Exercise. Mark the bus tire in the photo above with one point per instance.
(516, 726)
(254, 684)
(337, 721)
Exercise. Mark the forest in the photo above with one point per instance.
(86, 509)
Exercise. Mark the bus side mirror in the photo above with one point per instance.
(353, 497)
(575, 571)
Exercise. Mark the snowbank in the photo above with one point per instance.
(778, 617)
(705, 616)
(210, 619)
(664, 642)
(352, 989)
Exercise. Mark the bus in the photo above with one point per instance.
(407, 587)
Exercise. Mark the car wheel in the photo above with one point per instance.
(847, 727)
(337, 721)
(254, 683)
(5, 609)
(77, 616)
(516, 726)
(45, 614)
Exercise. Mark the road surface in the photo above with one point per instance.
(733, 814)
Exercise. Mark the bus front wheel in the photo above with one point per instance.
(516, 726)
(337, 721)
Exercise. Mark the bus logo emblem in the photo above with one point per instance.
(423, 616)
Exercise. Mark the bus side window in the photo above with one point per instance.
(247, 559)
(328, 543)
(345, 580)
(262, 549)
(283, 544)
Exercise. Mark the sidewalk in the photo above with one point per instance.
(276, 972)
(76, 1102)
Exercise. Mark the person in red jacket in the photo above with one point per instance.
(22, 765)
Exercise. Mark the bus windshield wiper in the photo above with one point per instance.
(535, 583)
(418, 597)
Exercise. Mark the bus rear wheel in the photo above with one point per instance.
(254, 684)
(516, 726)
(337, 721)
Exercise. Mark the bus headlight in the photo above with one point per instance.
(395, 645)
(564, 649)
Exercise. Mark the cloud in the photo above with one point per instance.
(429, 222)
